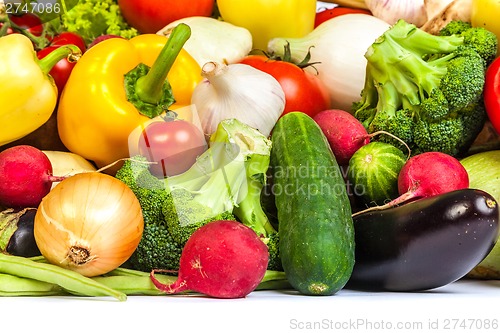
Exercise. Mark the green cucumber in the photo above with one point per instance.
(314, 213)
(373, 172)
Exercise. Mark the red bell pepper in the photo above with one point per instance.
(324, 15)
(492, 93)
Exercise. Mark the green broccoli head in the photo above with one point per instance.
(157, 248)
(419, 86)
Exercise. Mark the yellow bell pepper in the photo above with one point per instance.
(28, 94)
(268, 19)
(485, 13)
(97, 113)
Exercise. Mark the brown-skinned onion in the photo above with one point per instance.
(90, 223)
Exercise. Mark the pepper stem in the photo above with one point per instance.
(149, 88)
(69, 51)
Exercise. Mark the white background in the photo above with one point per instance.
(466, 302)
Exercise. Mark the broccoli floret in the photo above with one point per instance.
(274, 254)
(429, 134)
(455, 27)
(479, 38)
(422, 88)
(401, 125)
(463, 82)
(174, 207)
(157, 249)
(435, 107)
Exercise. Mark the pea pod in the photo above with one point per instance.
(426, 243)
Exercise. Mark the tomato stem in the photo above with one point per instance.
(39, 42)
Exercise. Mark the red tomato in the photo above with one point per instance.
(327, 14)
(67, 37)
(174, 145)
(61, 71)
(492, 93)
(28, 21)
(149, 16)
(303, 91)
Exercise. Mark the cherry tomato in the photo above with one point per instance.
(61, 71)
(149, 16)
(303, 90)
(29, 22)
(491, 93)
(327, 14)
(67, 37)
(174, 145)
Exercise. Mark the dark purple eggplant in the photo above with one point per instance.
(424, 244)
(16, 232)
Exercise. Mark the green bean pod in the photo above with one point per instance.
(11, 285)
(70, 281)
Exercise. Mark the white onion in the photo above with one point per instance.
(338, 45)
(213, 40)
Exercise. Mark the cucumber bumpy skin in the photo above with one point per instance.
(314, 213)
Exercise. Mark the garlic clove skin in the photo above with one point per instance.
(238, 91)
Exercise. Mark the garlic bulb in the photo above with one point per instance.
(238, 91)
(412, 11)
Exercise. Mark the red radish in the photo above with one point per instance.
(344, 133)
(25, 176)
(222, 259)
(426, 175)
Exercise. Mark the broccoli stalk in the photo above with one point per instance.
(249, 209)
(426, 89)
(174, 207)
